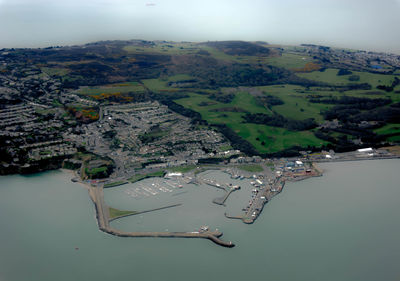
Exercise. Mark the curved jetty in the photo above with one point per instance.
(228, 189)
(211, 235)
(103, 219)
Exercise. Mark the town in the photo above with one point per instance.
(116, 131)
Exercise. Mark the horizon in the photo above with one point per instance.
(361, 25)
(197, 42)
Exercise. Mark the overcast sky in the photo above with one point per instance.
(360, 24)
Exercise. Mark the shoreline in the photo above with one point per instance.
(103, 219)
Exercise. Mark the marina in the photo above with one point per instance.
(263, 186)
(103, 219)
(346, 232)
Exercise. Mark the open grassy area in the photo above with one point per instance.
(139, 177)
(161, 84)
(96, 170)
(394, 139)
(112, 88)
(114, 213)
(296, 105)
(290, 61)
(233, 119)
(55, 71)
(226, 147)
(242, 100)
(251, 168)
(275, 139)
(388, 129)
(329, 76)
(117, 183)
(157, 85)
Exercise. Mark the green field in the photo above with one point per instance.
(251, 168)
(275, 139)
(139, 177)
(394, 139)
(125, 87)
(96, 170)
(113, 184)
(289, 61)
(55, 71)
(329, 76)
(296, 105)
(115, 213)
(161, 84)
(286, 60)
(388, 129)
(242, 100)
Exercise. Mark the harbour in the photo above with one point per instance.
(335, 221)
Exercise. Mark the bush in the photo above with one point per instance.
(354, 78)
(277, 120)
(342, 72)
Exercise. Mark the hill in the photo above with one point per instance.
(264, 99)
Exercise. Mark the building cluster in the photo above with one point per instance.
(359, 154)
(147, 135)
(11, 116)
(20, 80)
(352, 59)
(26, 138)
(243, 159)
(49, 151)
(23, 120)
(71, 98)
(29, 132)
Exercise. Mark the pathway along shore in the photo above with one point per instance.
(103, 219)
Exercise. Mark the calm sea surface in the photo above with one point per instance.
(342, 226)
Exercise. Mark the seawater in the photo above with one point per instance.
(342, 226)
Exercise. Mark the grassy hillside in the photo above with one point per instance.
(225, 81)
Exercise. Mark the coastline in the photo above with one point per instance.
(103, 219)
(291, 217)
(96, 194)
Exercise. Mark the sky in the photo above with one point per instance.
(356, 24)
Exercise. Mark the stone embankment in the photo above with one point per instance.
(228, 189)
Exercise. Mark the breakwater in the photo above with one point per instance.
(103, 219)
(227, 188)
